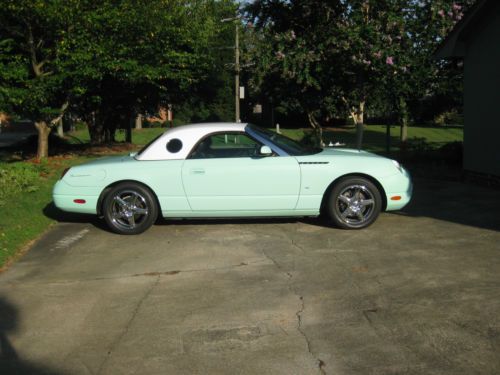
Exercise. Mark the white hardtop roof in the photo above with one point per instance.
(189, 136)
(209, 127)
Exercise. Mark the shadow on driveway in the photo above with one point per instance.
(10, 363)
(455, 202)
(54, 213)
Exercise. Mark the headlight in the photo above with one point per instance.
(398, 166)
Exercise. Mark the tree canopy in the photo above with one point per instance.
(344, 56)
(104, 59)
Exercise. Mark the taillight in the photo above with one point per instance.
(64, 172)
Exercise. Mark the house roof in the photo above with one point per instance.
(453, 45)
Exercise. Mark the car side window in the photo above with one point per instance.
(226, 145)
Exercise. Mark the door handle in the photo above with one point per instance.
(197, 171)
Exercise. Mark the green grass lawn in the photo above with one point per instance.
(374, 136)
(25, 214)
(139, 137)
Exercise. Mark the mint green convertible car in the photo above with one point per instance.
(233, 170)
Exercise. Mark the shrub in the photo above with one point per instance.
(449, 118)
(17, 178)
(419, 144)
(154, 124)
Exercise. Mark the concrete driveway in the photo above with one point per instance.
(416, 293)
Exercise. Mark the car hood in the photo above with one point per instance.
(343, 152)
(345, 161)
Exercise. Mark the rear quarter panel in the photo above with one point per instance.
(88, 181)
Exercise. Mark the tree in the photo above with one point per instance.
(340, 56)
(103, 60)
(332, 55)
(293, 55)
(32, 83)
(210, 98)
(133, 65)
(416, 75)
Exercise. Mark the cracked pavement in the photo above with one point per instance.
(416, 293)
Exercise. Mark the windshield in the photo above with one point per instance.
(288, 145)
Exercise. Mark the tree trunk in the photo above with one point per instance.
(96, 128)
(318, 130)
(404, 130)
(96, 132)
(43, 139)
(358, 116)
(128, 134)
(404, 123)
(60, 130)
(359, 120)
(96, 135)
(138, 122)
(388, 139)
(110, 131)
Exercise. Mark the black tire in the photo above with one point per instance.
(130, 208)
(354, 203)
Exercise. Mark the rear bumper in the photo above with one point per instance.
(64, 197)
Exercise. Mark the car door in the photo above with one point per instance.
(225, 173)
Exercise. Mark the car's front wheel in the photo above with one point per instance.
(130, 208)
(354, 203)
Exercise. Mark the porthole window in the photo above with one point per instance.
(174, 145)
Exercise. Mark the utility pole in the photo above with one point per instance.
(236, 73)
(236, 21)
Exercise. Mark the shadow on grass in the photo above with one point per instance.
(10, 360)
(27, 149)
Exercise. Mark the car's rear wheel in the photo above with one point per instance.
(354, 203)
(130, 208)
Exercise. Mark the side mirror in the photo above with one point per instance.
(265, 151)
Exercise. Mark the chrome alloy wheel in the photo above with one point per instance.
(129, 209)
(355, 204)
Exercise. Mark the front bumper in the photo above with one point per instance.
(399, 190)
